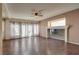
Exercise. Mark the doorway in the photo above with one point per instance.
(57, 29)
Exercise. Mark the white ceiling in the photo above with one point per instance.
(24, 10)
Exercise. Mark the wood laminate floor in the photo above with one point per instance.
(38, 46)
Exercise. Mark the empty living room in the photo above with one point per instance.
(39, 28)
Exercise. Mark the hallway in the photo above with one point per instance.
(38, 46)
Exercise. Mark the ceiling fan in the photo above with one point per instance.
(37, 12)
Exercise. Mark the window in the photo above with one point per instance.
(58, 22)
(15, 29)
(23, 29)
(30, 30)
(26, 32)
(12, 29)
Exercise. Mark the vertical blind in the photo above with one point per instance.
(23, 29)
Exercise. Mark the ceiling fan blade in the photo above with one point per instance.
(40, 15)
(37, 12)
(41, 10)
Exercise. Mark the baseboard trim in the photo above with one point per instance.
(51, 38)
(18, 38)
(73, 43)
(43, 37)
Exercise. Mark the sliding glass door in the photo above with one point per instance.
(27, 30)
(24, 30)
(30, 30)
(15, 30)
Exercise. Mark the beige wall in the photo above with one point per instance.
(0, 28)
(43, 28)
(72, 18)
